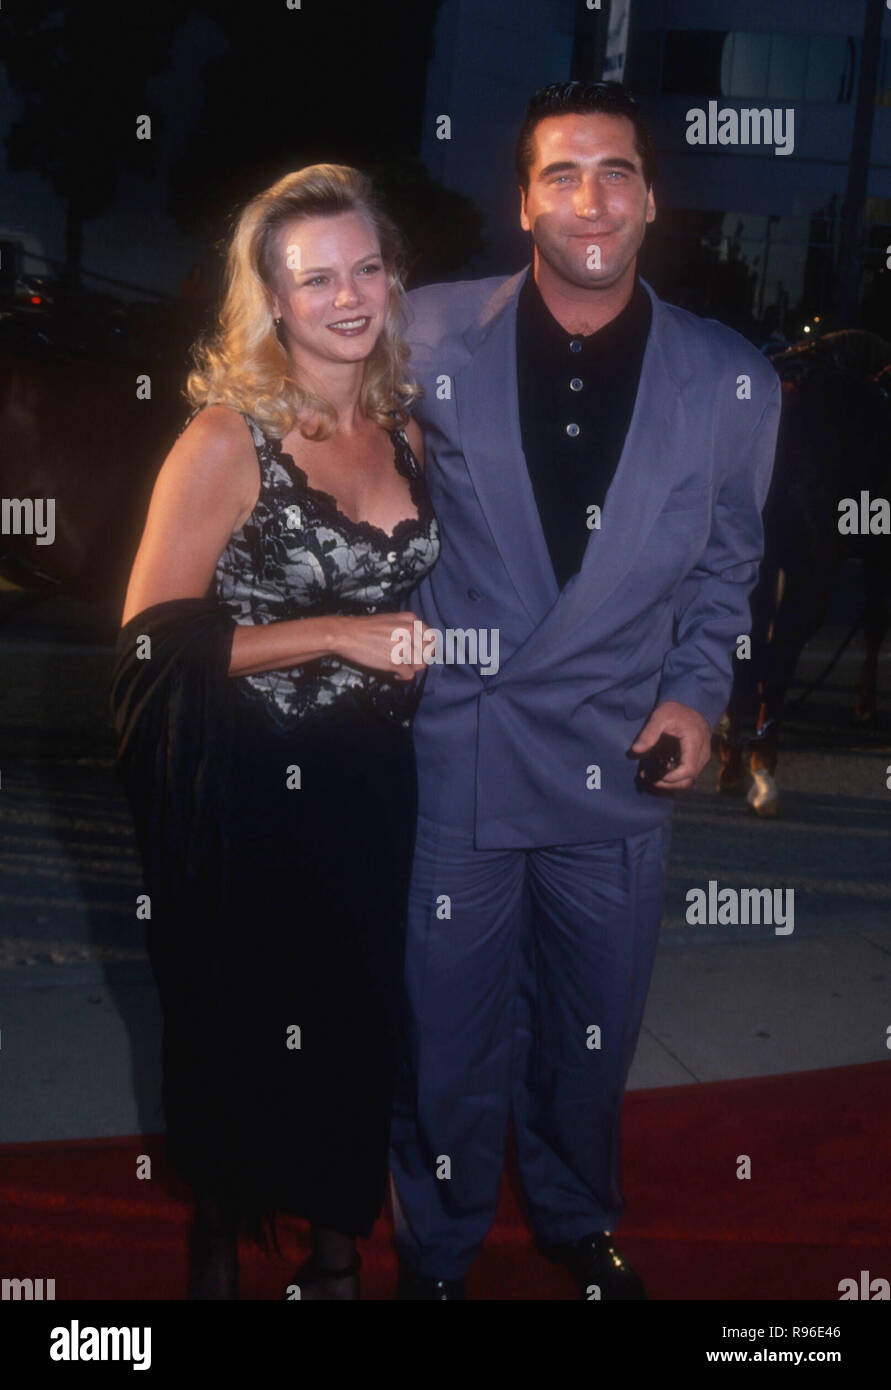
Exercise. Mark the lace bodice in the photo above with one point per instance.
(299, 556)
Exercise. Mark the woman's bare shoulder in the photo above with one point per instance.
(206, 488)
(219, 428)
(215, 444)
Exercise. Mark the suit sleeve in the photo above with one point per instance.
(712, 604)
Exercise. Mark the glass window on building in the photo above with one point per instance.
(785, 67)
(787, 71)
(831, 61)
(745, 65)
(692, 62)
(643, 71)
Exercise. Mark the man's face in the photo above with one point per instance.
(586, 189)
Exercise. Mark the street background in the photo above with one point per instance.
(79, 1049)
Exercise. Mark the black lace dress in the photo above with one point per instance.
(280, 969)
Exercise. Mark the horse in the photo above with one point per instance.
(834, 442)
(87, 432)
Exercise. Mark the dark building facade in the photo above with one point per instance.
(747, 231)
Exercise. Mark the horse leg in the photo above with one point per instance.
(802, 606)
(740, 720)
(728, 745)
(763, 795)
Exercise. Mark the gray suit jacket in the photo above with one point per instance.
(652, 615)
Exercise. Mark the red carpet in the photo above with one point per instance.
(816, 1209)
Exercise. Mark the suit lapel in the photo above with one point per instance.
(489, 424)
(644, 475)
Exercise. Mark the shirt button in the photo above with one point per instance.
(391, 557)
(576, 384)
(572, 431)
(575, 345)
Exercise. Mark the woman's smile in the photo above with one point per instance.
(350, 328)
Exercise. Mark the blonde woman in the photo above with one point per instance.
(264, 716)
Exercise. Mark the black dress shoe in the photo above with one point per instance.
(416, 1287)
(600, 1270)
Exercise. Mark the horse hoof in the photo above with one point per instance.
(763, 796)
(733, 772)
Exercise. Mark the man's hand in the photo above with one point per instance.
(694, 733)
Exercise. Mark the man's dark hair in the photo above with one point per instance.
(583, 99)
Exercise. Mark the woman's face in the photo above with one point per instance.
(330, 286)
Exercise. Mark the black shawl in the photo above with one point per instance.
(172, 705)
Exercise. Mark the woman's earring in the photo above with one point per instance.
(277, 322)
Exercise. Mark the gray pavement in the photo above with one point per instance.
(79, 1021)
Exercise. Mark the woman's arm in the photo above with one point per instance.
(207, 487)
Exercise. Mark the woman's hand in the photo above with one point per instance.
(382, 642)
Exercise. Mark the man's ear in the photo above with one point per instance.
(651, 205)
(524, 220)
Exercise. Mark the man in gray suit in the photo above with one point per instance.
(598, 461)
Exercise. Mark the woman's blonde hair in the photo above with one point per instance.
(244, 364)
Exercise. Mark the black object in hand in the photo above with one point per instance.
(661, 758)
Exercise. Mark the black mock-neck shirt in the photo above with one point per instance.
(576, 397)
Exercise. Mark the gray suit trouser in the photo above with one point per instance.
(527, 971)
